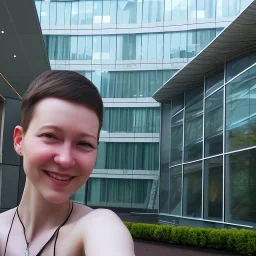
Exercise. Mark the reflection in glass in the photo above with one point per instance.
(191, 10)
(205, 9)
(241, 190)
(175, 190)
(60, 13)
(88, 12)
(176, 139)
(97, 192)
(45, 17)
(154, 46)
(167, 10)
(213, 82)
(179, 10)
(96, 55)
(191, 43)
(128, 156)
(194, 95)
(97, 11)
(67, 13)
(129, 12)
(152, 11)
(192, 192)
(140, 193)
(241, 111)
(164, 191)
(53, 13)
(213, 188)
(58, 47)
(214, 124)
(245, 3)
(177, 104)
(109, 11)
(238, 65)
(82, 13)
(227, 8)
(136, 120)
(73, 48)
(128, 84)
(74, 13)
(130, 193)
(193, 125)
(204, 37)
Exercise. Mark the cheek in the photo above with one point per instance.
(37, 155)
(88, 162)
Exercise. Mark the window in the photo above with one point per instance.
(164, 191)
(213, 187)
(214, 82)
(192, 192)
(241, 187)
(129, 193)
(214, 124)
(236, 66)
(175, 190)
(176, 139)
(193, 124)
(133, 120)
(128, 156)
(241, 111)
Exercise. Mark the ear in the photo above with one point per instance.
(17, 139)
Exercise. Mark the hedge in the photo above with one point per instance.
(239, 241)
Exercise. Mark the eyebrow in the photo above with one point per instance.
(83, 134)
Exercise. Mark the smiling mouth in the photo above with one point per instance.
(58, 177)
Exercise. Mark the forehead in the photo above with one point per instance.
(64, 114)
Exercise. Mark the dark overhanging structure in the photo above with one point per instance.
(22, 58)
(208, 127)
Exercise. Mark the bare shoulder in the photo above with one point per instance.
(5, 224)
(6, 218)
(105, 234)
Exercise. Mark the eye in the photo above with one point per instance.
(49, 136)
(86, 144)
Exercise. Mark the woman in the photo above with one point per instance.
(61, 118)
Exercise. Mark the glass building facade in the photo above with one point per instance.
(129, 49)
(212, 146)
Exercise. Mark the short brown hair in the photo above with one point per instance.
(61, 84)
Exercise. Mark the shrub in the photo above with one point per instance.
(143, 231)
(239, 241)
(163, 233)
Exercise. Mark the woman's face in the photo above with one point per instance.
(59, 148)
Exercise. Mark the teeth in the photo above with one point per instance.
(57, 177)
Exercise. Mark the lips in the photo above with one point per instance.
(59, 177)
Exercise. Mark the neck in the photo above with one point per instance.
(38, 214)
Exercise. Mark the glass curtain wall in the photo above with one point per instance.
(119, 12)
(128, 193)
(146, 47)
(213, 148)
(131, 120)
(97, 38)
(128, 156)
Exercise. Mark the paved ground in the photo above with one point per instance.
(155, 249)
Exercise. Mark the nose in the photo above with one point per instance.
(64, 157)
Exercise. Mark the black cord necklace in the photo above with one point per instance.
(56, 233)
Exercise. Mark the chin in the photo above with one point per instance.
(57, 197)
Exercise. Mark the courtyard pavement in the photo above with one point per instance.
(155, 249)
